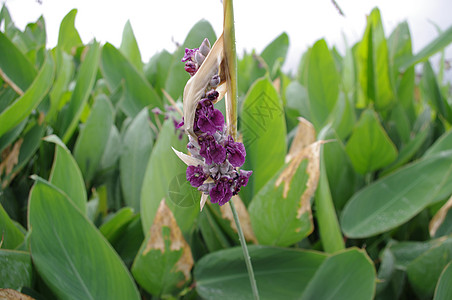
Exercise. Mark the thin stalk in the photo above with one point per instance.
(246, 254)
(230, 67)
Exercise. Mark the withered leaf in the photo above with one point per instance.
(165, 218)
(10, 294)
(439, 217)
(244, 218)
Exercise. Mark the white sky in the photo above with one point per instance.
(157, 24)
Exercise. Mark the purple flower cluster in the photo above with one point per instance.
(218, 175)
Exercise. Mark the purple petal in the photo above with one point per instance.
(189, 54)
(221, 193)
(195, 176)
(217, 152)
(236, 152)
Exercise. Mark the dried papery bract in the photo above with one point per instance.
(196, 85)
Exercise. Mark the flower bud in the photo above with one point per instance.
(205, 47)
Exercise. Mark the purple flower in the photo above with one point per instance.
(189, 54)
(236, 152)
(191, 68)
(211, 150)
(242, 180)
(210, 120)
(221, 193)
(195, 175)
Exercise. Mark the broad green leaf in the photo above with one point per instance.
(117, 70)
(64, 73)
(24, 105)
(264, 135)
(164, 261)
(16, 67)
(328, 225)
(115, 226)
(129, 47)
(433, 93)
(130, 241)
(280, 273)
(164, 169)
(443, 143)
(11, 236)
(407, 251)
(443, 289)
(396, 198)
(276, 50)
(138, 142)
(93, 138)
(156, 70)
(68, 120)
(68, 37)
(373, 66)
(177, 76)
(343, 117)
(280, 212)
(297, 98)
(424, 271)
(112, 151)
(16, 271)
(331, 282)
(441, 41)
(369, 147)
(322, 83)
(66, 174)
(9, 137)
(73, 265)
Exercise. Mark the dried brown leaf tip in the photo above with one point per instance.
(10, 294)
(244, 218)
(303, 148)
(439, 217)
(157, 240)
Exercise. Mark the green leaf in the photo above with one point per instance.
(441, 41)
(214, 238)
(112, 151)
(24, 105)
(328, 225)
(177, 76)
(156, 70)
(322, 83)
(396, 198)
(67, 121)
(359, 284)
(114, 227)
(66, 174)
(276, 50)
(93, 138)
(73, 265)
(294, 269)
(264, 135)
(369, 147)
(129, 47)
(68, 37)
(164, 168)
(16, 271)
(443, 143)
(373, 66)
(17, 67)
(64, 73)
(166, 253)
(280, 213)
(297, 98)
(130, 241)
(138, 142)
(433, 93)
(11, 236)
(117, 70)
(443, 289)
(424, 271)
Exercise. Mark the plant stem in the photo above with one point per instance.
(230, 57)
(246, 255)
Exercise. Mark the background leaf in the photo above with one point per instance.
(16, 271)
(295, 268)
(129, 47)
(138, 142)
(263, 127)
(74, 266)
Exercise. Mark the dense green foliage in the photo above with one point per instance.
(95, 205)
